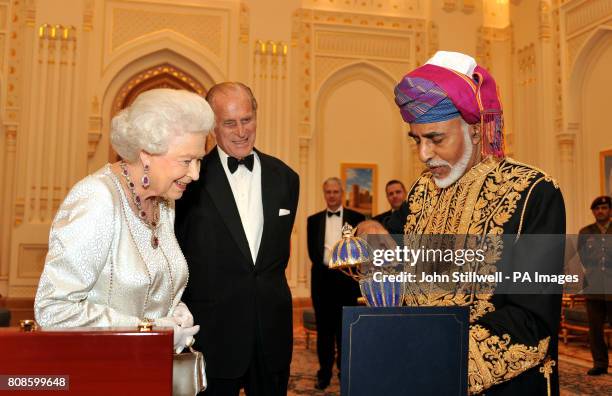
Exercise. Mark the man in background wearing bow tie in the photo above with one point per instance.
(234, 227)
(330, 289)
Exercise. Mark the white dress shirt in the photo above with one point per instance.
(333, 233)
(246, 188)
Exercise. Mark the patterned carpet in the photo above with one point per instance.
(574, 361)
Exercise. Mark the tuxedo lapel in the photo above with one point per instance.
(220, 192)
(271, 203)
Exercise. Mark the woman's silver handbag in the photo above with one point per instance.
(188, 373)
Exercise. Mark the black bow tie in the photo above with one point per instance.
(330, 214)
(232, 163)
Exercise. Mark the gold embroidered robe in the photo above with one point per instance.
(513, 338)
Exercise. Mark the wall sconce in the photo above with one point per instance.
(54, 32)
(274, 48)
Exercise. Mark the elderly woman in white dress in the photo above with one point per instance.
(113, 258)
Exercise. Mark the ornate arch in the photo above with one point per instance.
(575, 137)
(161, 76)
(364, 71)
(125, 77)
(597, 42)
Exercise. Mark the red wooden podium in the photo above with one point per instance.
(86, 361)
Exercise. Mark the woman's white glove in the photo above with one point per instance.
(183, 336)
(182, 315)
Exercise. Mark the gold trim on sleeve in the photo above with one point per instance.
(493, 359)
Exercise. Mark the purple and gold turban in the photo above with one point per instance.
(440, 90)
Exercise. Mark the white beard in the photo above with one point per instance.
(457, 170)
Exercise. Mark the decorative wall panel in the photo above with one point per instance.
(587, 13)
(204, 29)
(328, 40)
(358, 45)
(130, 24)
(373, 7)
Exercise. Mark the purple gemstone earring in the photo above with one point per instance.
(145, 181)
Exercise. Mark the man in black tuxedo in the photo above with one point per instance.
(396, 195)
(234, 227)
(330, 289)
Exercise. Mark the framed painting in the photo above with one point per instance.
(605, 160)
(359, 182)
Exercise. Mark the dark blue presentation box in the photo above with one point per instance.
(407, 351)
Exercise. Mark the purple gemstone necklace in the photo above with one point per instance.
(154, 224)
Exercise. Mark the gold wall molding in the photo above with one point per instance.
(546, 24)
(380, 22)
(88, 15)
(301, 38)
(4, 29)
(244, 22)
(557, 70)
(15, 18)
(372, 7)
(305, 159)
(31, 260)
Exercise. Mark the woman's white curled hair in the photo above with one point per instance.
(155, 117)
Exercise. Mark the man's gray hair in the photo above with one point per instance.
(155, 117)
(225, 88)
(333, 179)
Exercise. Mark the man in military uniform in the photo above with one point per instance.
(595, 250)
(396, 194)
(471, 188)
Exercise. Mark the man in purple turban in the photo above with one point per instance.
(471, 188)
